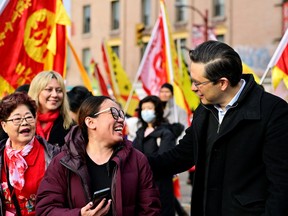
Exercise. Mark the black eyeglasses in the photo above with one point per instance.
(18, 121)
(197, 84)
(114, 111)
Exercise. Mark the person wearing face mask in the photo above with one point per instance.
(152, 138)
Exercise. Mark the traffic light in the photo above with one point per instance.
(140, 27)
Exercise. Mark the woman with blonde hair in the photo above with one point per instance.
(53, 119)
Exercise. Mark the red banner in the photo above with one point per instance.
(153, 68)
(26, 28)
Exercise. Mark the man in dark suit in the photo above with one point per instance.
(238, 140)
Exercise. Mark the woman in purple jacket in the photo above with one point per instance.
(96, 157)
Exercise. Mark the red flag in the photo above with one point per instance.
(98, 76)
(278, 63)
(153, 70)
(174, 66)
(280, 71)
(107, 67)
(32, 39)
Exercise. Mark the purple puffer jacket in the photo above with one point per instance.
(65, 188)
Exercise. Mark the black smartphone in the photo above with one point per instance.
(99, 195)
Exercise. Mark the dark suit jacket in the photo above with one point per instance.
(245, 170)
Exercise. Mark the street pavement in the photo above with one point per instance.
(186, 190)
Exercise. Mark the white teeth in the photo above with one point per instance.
(119, 129)
(25, 131)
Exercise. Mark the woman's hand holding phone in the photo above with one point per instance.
(101, 209)
(99, 205)
(99, 195)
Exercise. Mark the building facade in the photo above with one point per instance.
(253, 28)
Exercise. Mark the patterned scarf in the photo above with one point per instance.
(47, 118)
(17, 164)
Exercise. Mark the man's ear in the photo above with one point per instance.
(90, 123)
(224, 83)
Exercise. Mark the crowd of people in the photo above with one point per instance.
(58, 148)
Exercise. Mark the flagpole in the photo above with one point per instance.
(276, 55)
(180, 69)
(264, 75)
(141, 64)
(167, 40)
(3, 5)
(179, 54)
(169, 54)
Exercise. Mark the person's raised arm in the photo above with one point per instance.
(177, 159)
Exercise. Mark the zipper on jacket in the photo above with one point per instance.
(110, 159)
(75, 171)
(113, 185)
(219, 124)
(232, 107)
(218, 128)
(213, 114)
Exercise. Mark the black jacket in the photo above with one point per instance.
(245, 169)
(160, 140)
(58, 132)
(157, 142)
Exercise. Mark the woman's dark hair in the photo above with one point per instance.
(89, 107)
(158, 110)
(10, 102)
(168, 86)
(76, 96)
(23, 88)
(220, 61)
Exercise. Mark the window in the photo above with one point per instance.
(86, 19)
(218, 8)
(115, 8)
(86, 59)
(182, 44)
(146, 8)
(143, 48)
(220, 37)
(180, 10)
(116, 50)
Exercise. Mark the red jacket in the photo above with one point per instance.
(65, 188)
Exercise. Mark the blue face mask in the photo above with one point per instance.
(148, 115)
